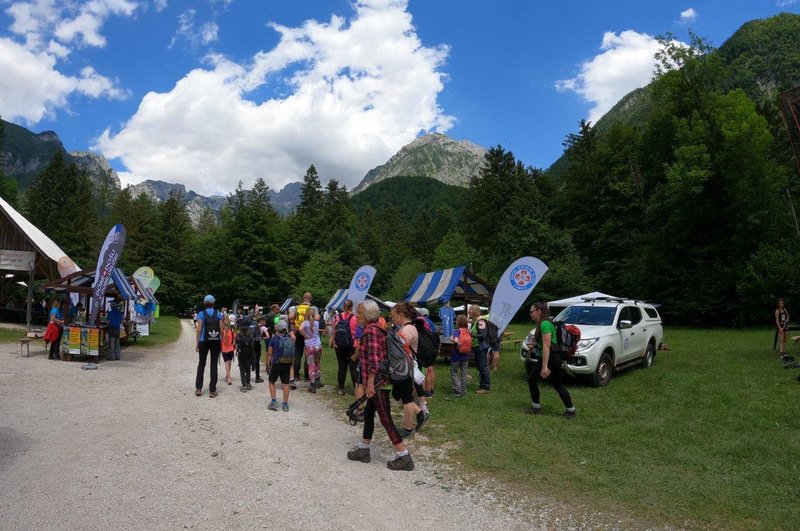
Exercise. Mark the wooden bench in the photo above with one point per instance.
(26, 341)
(515, 343)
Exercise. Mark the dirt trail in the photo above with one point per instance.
(129, 446)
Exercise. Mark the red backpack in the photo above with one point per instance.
(464, 341)
(568, 336)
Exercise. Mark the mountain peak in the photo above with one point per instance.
(433, 155)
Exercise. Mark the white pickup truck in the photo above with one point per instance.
(615, 333)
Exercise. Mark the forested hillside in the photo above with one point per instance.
(682, 195)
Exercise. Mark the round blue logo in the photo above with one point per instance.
(522, 277)
(362, 282)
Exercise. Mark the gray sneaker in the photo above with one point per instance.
(401, 463)
(273, 406)
(404, 433)
(359, 454)
(422, 418)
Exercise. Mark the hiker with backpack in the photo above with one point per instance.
(414, 415)
(480, 348)
(429, 341)
(211, 324)
(545, 362)
(313, 347)
(297, 315)
(459, 360)
(281, 354)
(245, 350)
(373, 354)
(343, 339)
(228, 347)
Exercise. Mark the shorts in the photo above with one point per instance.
(496, 347)
(279, 370)
(227, 356)
(403, 391)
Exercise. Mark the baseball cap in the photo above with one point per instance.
(209, 298)
(282, 325)
(245, 322)
(232, 319)
(423, 311)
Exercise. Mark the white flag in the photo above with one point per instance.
(513, 288)
(360, 284)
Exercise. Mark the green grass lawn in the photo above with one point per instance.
(709, 436)
(166, 329)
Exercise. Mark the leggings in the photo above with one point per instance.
(55, 346)
(205, 347)
(344, 357)
(313, 357)
(380, 404)
(534, 368)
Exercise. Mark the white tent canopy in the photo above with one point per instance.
(563, 303)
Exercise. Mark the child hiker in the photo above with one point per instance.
(281, 357)
(228, 347)
(245, 349)
(462, 348)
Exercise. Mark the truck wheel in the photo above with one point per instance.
(602, 375)
(649, 356)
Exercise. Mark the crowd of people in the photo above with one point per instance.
(363, 340)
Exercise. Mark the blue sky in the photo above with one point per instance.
(210, 92)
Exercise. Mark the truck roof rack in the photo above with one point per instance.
(612, 299)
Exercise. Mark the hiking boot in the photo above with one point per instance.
(285, 407)
(212, 394)
(569, 414)
(401, 463)
(249, 387)
(312, 388)
(359, 454)
(292, 385)
(340, 392)
(243, 389)
(482, 391)
(404, 433)
(319, 384)
(422, 418)
(273, 406)
(532, 410)
(259, 380)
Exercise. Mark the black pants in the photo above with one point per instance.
(556, 378)
(244, 370)
(256, 361)
(299, 350)
(344, 357)
(55, 346)
(214, 348)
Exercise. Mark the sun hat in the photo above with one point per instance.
(282, 325)
(210, 298)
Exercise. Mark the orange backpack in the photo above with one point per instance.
(464, 341)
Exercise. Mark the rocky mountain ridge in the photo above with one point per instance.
(433, 155)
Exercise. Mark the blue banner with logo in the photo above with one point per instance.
(106, 263)
(360, 284)
(514, 287)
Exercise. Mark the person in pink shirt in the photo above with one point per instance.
(228, 346)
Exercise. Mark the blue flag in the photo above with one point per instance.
(106, 262)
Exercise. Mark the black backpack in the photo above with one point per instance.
(245, 343)
(427, 344)
(397, 365)
(211, 325)
(492, 333)
(342, 335)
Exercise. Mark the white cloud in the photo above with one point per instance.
(31, 87)
(626, 63)
(785, 3)
(32, 84)
(358, 91)
(689, 15)
(189, 32)
(161, 5)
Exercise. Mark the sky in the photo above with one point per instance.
(209, 93)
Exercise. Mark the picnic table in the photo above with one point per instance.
(508, 339)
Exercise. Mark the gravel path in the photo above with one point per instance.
(130, 446)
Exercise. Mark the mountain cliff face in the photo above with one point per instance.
(284, 201)
(437, 156)
(25, 154)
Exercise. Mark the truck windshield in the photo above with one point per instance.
(588, 315)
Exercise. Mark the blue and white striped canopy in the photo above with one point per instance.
(124, 287)
(440, 286)
(286, 304)
(337, 301)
